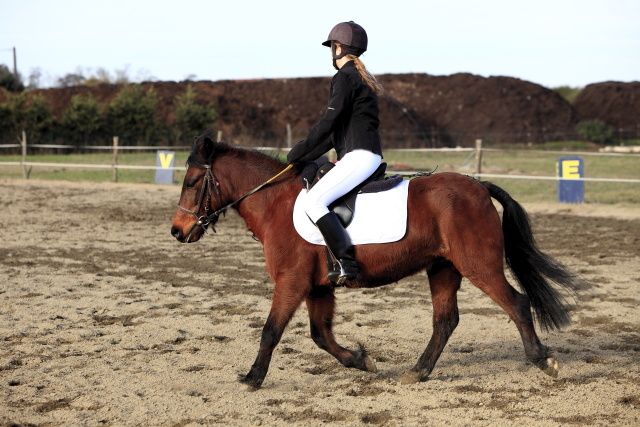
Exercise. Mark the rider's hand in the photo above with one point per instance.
(296, 152)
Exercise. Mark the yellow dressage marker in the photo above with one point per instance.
(570, 170)
(165, 163)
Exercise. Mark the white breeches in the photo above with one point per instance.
(351, 170)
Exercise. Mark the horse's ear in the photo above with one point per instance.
(205, 146)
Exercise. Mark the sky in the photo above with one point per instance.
(550, 42)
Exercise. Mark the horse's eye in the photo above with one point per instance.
(190, 183)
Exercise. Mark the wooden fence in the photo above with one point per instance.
(116, 148)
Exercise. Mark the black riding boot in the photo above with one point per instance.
(339, 243)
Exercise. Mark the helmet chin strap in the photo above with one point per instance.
(335, 56)
(344, 51)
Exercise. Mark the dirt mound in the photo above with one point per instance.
(256, 112)
(251, 112)
(416, 110)
(615, 103)
(497, 109)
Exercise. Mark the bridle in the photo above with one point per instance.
(211, 185)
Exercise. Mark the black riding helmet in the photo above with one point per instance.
(352, 38)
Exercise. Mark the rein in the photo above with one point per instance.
(209, 182)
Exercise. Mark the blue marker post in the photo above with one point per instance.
(570, 186)
(165, 161)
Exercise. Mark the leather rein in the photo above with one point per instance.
(211, 185)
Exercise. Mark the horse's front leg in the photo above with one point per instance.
(287, 296)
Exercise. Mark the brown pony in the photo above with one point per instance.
(453, 231)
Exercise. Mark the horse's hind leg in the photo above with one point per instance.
(518, 308)
(444, 281)
(287, 297)
(321, 305)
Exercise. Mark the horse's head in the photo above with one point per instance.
(201, 194)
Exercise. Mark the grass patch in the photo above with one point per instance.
(94, 175)
(568, 145)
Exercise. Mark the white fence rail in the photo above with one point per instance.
(116, 148)
(91, 165)
(555, 178)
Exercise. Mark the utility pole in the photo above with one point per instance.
(15, 64)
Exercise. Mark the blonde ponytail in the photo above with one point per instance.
(366, 76)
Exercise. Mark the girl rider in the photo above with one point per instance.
(350, 125)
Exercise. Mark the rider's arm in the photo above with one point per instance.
(318, 141)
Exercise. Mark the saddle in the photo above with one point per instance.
(345, 206)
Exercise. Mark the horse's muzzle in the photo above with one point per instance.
(195, 233)
(175, 232)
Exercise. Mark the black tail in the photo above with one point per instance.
(532, 268)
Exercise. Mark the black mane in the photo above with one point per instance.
(205, 149)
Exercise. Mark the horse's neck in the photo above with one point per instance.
(241, 174)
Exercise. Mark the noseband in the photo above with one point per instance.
(211, 184)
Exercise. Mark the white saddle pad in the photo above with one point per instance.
(379, 217)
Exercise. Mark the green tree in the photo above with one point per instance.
(82, 121)
(595, 131)
(132, 115)
(9, 81)
(71, 79)
(7, 128)
(39, 118)
(33, 115)
(192, 117)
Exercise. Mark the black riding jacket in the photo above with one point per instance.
(350, 122)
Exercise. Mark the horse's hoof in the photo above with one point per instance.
(362, 361)
(370, 365)
(551, 367)
(251, 383)
(411, 377)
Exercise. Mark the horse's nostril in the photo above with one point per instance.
(175, 232)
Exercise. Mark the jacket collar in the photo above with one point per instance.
(348, 65)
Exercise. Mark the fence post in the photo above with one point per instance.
(478, 157)
(26, 171)
(219, 137)
(288, 135)
(114, 164)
